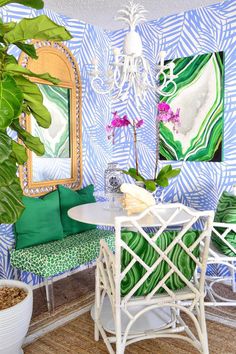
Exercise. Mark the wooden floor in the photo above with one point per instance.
(77, 338)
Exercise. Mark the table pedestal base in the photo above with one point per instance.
(150, 321)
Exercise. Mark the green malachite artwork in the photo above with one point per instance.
(56, 138)
(55, 164)
(200, 97)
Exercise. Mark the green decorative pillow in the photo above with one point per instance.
(225, 213)
(69, 199)
(146, 252)
(40, 222)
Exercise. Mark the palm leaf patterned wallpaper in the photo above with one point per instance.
(197, 32)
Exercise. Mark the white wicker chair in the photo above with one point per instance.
(219, 258)
(126, 319)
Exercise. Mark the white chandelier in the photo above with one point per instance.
(129, 69)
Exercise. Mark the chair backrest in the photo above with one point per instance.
(224, 239)
(163, 261)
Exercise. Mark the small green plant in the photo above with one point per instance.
(19, 95)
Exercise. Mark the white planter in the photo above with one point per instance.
(14, 321)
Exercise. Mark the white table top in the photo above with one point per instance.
(99, 214)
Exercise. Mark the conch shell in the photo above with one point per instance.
(136, 199)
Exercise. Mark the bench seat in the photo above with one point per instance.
(50, 259)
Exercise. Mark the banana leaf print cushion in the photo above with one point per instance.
(225, 213)
(145, 251)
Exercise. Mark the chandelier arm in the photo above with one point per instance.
(124, 74)
(171, 93)
(116, 76)
(100, 91)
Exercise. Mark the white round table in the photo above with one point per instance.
(99, 214)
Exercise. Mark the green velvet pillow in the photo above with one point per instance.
(146, 252)
(225, 213)
(40, 222)
(69, 199)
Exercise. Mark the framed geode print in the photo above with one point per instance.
(200, 97)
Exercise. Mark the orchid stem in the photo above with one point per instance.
(157, 147)
(135, 149)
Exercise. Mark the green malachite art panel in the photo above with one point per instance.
(55, 164)
(200, 97)
(56, 138)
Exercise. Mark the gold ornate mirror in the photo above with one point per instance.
(62, 161)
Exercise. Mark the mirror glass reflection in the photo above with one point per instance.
(55, 164)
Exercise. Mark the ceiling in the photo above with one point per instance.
(102, 12)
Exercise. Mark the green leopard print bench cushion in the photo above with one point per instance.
(225, 213)
(55, 257)
(146, 252)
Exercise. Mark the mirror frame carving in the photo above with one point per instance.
(56, 59)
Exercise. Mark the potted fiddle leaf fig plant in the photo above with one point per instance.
(19, 95)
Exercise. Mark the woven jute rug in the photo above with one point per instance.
(70, 328)
(77, 337)
(73, 296)
(222, 314)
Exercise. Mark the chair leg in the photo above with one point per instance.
(49, 294)
(204, 341)
(97, 305)
(120, 347)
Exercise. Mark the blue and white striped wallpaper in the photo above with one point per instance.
(208, 29)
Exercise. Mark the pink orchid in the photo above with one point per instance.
(118, 122)
(163, 106)
(166, 114)
(139, 123)
(126, 122)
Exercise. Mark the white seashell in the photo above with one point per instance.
(136, 199)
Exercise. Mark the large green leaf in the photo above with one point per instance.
(15, 69)
(162, 181)
(29, 49)
(166, 173)
(11, 205)
(40, 27)
(10, 59)
(150, 185)
(11, 100)
(33, 100)
(35, 4)
(19, 153)
(132, 173)
(6, 27)
(31, 142)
